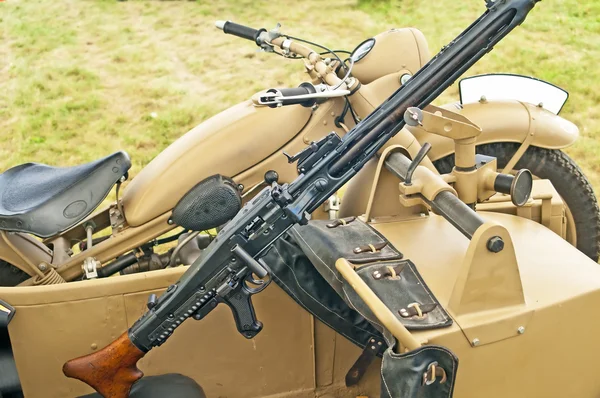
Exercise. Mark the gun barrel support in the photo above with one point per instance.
(465, 219)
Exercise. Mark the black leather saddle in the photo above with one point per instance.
(44, 200)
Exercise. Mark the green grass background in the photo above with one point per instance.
(80, 79)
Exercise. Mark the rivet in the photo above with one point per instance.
(170, 222)
(475, 342)
(521, 329)
(94, 346)
(483, 99)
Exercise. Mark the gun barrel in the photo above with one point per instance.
(433, 78)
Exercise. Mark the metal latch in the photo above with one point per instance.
(332, 206)
(417, 310)
(389, 272)
(90, 268)
(370, 248)
(6, 313)
(340, 221)
(433, 372)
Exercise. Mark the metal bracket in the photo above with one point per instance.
(90, 268)
(310, 155)
(117, 221)
(332, 206)
(441, 122)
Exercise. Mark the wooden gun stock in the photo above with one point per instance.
(110, 371)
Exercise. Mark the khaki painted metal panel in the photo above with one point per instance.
(320, 124)
(555, 356)
(66, 320)
(394, 51)
(226, 364)
(44, 336)
(506, 121)
(227, 144)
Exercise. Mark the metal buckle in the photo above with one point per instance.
(432, 373)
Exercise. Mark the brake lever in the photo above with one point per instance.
(266, 37)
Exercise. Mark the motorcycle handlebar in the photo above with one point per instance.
(238, 30)
(257, 36)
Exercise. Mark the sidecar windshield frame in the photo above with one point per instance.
(504, 86)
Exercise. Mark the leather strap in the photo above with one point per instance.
(374, 346)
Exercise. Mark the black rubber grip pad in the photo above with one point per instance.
(242, 31)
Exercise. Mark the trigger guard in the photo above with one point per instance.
(261, 282)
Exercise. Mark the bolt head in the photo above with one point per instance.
(521, 329)
(495, 244)
(405, 78)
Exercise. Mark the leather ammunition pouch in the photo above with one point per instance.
(303, 265)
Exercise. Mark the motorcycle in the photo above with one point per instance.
(428, 283)
(103, 307)
(521, 129)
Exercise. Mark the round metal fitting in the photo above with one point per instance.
(521, 329)
(405, 78)
(495, 244)
(475, 342)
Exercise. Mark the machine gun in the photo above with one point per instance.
(231, 270)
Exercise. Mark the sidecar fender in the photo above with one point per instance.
(506, 121)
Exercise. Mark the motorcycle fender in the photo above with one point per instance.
(21, 250)
(227, 144)
(506, 121)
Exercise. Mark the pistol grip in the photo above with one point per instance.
(243, 312)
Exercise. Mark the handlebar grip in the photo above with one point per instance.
(245, 32)
(303, 89)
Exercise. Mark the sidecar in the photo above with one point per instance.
(412, 293)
